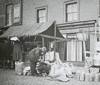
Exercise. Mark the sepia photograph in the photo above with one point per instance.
(49, 42)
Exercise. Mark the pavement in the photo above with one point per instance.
(8, 77)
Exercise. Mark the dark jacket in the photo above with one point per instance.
(34, 54)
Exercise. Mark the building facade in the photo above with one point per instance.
(72, 18)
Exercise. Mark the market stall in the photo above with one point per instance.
(31, 34)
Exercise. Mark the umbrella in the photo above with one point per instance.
(14, 39)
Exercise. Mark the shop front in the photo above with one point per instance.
(80, 40)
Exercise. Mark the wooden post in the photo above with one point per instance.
(55, 29)
(95, 38)
(55, 35)
(84, 46)
(43, 41)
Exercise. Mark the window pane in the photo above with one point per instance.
(75, 16)
(41, 15)
(42, 19)
(69, 8)
(1, 9)
(74, 8)
(70, 17)
(16, 13)
(9, 15)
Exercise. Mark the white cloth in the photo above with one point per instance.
(58, 70)
(61, 69)
(26, 70)
(19, 67)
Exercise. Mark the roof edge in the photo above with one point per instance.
(75, 24)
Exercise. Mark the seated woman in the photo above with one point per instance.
(59, 71)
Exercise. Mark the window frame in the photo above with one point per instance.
(65, 9)
(19, 22)
(37, 13)
(20, 3)
(7, 14)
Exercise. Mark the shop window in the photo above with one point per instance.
(74, 49)
(41, 15)
(14, 14)
(71, 12)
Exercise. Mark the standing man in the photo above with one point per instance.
(17, 51)
(34, 55)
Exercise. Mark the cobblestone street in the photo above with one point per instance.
(8, 77)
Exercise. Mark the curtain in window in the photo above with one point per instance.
(74, 50)
(79, 50)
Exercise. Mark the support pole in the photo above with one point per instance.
(55, 35)
(55, 31)
(95, 38)
(43, 41)
(84, 45)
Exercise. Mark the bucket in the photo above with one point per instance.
(19, 67)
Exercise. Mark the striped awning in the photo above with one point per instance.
(31, 30)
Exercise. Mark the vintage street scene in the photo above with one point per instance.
(49, 42)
